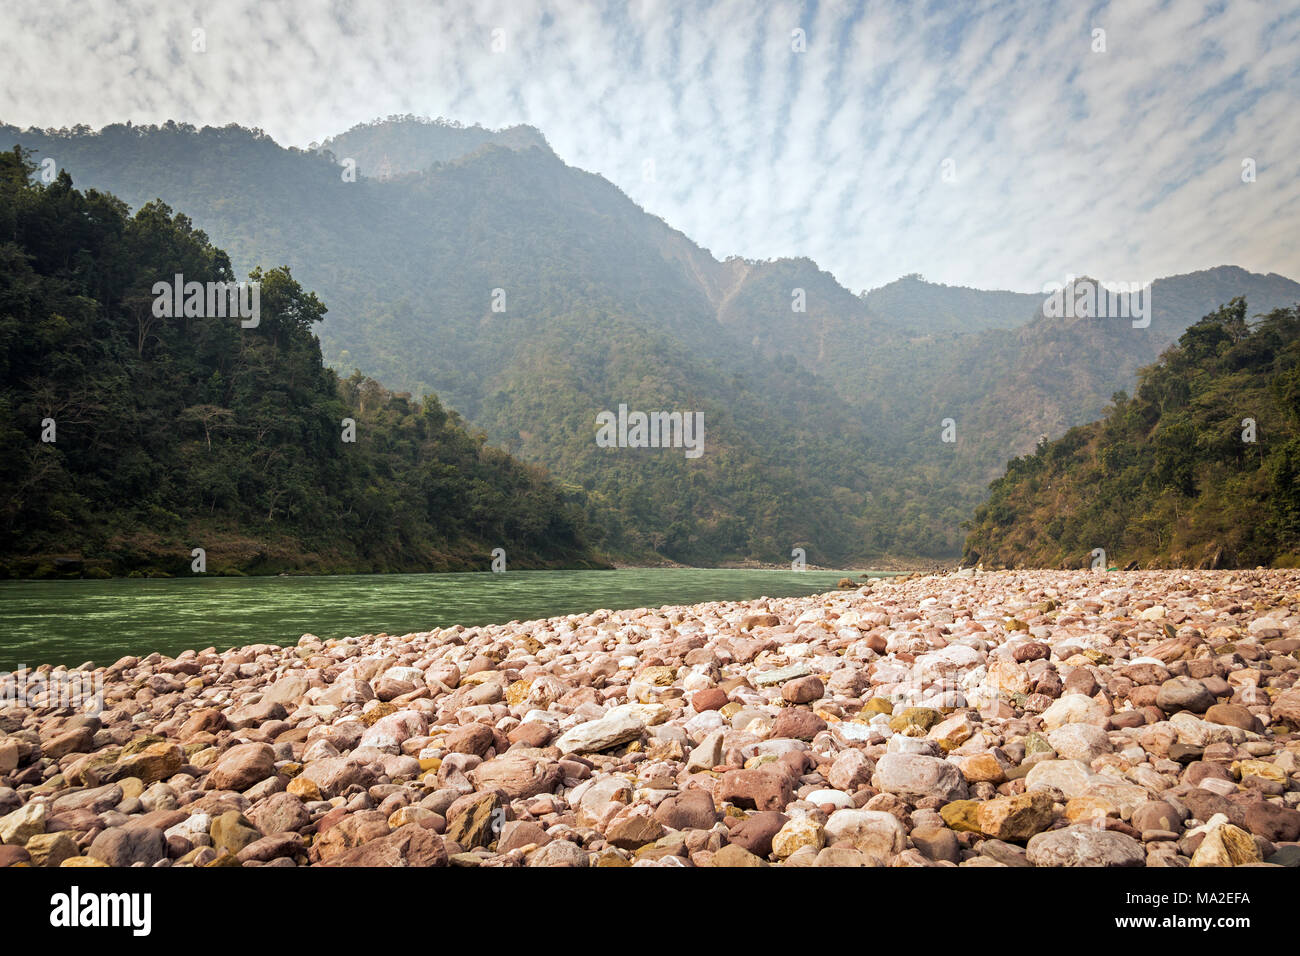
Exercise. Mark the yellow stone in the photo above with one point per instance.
(428, 764)
(377, 713)
(482, 677)
(205, 758)
(758, 761)
(82, 861)
(517, 693)
(131, 786)
(1083, 809)
(304, 789)
(878, 705)
(659, 676)
(1258, 768)
(730, 710)
(1227, 845)
(962, 815)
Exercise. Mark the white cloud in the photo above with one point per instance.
(1123, 164)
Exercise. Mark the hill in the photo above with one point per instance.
(134, 433)
(1200, 468)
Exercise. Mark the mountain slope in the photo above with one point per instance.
(1201, 467)
(133, 435)
(532, 296)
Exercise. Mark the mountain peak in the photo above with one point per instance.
(396, 145)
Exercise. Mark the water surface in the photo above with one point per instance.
(70, 622)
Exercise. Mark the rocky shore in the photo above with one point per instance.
(1036, 718)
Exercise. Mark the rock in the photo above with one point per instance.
(518, 834)
(51, 849)
(633, 827)
(1073, 709)
(707, 754)
(916, 777)
(94, 799)
(231, 832)
(852, 769)
(279, 813)
(604, 733)
(14, 856)
(1016, 819)
(873, 832)
(937, 843)
(1069, 776)
(797, 834)
(153, 763)
(711, 698)
(122, 846)
(1234, 715)
(689, 810)
(472, 738)
(1084, 742)
(803, 690)
(1273, 822)
(756, 831)
(780, 675)
(333, 775)
(352, 831)
(1184, 693)
(408, 846)
(559, 853)
(1227, 845)
(254, 715)
(768, 787)
(519, 774)
(242, 766)
(1085, 845)
(734, 855)
(1156, 815)
(22, 824)
(797, 724)
(476, 821)
(962, 815)
(1286, 706)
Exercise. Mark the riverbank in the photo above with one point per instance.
(986, 719)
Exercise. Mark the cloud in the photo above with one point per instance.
(1124, 164)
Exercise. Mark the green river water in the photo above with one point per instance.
(70, 622)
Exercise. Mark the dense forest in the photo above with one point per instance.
(529, 295)
(1200, 468)
(130, 439)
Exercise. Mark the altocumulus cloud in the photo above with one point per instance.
(1125, 164)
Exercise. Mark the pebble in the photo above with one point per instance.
(1026, 718)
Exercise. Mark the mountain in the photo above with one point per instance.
(1200, 468)
(532, 296)
(135, 432)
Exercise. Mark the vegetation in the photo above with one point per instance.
(170, 434)
(1200, 468)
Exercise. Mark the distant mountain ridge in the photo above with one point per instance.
(824, 424)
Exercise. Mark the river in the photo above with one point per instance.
(70, 622)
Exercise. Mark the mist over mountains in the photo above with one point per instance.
(825, 409)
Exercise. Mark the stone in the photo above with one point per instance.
(633, 827)
(917, 777)
(1016, 819)
(519, 774)
(1272, 821)
(474, 738)
(51, 849)
(873, 832)
(797, 834)
(962, 815)
(409, 846)
(796, 723)
(1227, 845)
(1085, 845)
(1234, 715)
(1069, 776)
(333, 775)
(242, 766)
(734, 855)
(1084, 742)
(756, 831)
(803, 690)
(279, 813)
(123, 846)
(937, 843)
(688, 810)
(22, 824)
(1073, 709)
(476, 821)
(1157, 815)
(1184, 693)
(603, 733)
(767, 787)
(232, 831)
(559, 853)
(153, 763)
(852, 769)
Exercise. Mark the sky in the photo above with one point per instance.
(996, 145)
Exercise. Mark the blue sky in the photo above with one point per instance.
(1125, 164)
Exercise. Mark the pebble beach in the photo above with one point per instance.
(971, 719)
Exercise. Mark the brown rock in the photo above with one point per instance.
(411, 845)
(242, 766)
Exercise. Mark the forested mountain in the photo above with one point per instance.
(1200, 468)
(532, 296)
(131, 438)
